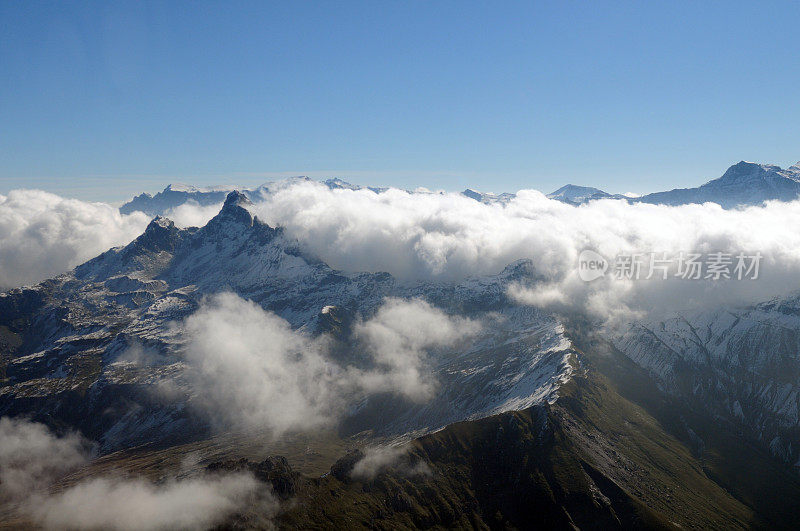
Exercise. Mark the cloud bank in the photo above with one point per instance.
(33, 459)
(251, 370)
(129, 504)
(449, 236)
(422, 235)
(43, 235)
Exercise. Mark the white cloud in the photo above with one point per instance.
(447, 236)
(42, 234)
(32, 457)
(251, 370)
(192, 214)
(125, 503)
(381, 458)
(430, 236)
(399, 336)
(409, 235)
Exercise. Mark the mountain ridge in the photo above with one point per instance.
(534, 419)
(742, 184)
(71, 331)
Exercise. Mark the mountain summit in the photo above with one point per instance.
(235, 209)
(743, 184)
(141, 293)
(576, 195)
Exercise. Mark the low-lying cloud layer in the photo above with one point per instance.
(43, 235)
(32, 459)
(251, 370)
(129, 504)
(448, 236)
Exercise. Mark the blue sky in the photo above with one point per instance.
(101, 100)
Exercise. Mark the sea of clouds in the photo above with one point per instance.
(255, 371)
(43, 234)
(447, 236)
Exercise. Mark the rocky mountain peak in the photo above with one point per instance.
(339, 184)
(747, 171)
(235, 209)
(160, 234)
(160, 223)
(572, 194)
(236, 198)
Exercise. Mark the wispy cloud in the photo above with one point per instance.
(135, 503)
(250, 369)
(33, 459)
(378, 459)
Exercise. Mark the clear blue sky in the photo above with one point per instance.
(101, 100)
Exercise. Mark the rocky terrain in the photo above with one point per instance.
(743, 184)
(535, 419)
(66, 342)
(740, 365)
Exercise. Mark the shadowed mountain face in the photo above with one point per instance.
(609, 453)
(739, 365)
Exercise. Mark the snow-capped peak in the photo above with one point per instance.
(235, 209)
(577, 194)
(189, 189)
(338, 184)
(161, 221)
(236, 198)
(746, 171)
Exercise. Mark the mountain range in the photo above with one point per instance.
(536, 420)
(68, 336)
(743, 184)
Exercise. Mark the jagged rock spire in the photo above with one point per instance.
(235, 209)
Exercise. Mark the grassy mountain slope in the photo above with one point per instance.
(592, 460)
